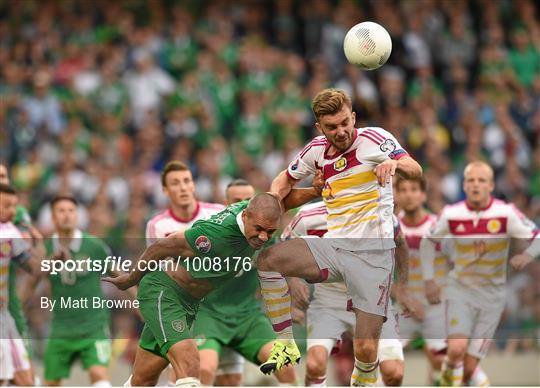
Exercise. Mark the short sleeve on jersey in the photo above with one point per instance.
(199, 239)
(382, 145)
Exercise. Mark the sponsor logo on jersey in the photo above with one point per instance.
(460, 228)
(388, 146)
(203, 244)
(178, 325)
(453, 322)
(494, 226)
(340, 164)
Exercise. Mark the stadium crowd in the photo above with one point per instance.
(98, 96)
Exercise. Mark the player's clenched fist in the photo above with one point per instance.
(518, 262)
(385, 171)
(122, 282)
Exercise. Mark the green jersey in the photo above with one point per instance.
(221, 246)
(21, 216)
(75, 313)
(235, 299)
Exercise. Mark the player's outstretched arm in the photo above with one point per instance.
(174, 245)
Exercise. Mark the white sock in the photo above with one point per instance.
(451, 377)
(103, 383)
(128, 382)
(479, 378)
(364, 373)
(188, 382)
(320, 382)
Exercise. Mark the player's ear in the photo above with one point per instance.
(353, 117)
(319, 128)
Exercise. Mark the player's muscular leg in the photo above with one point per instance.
(184, 358)
(457, 346)
(98, 373)
(285, 375)
(317, 360)
(392, 372)
(147, 368)
(367, 334)
(278, 258)
(209, 364)
(469, 366)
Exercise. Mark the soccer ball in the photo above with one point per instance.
(367, 45)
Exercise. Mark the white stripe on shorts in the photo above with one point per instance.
(159, 314)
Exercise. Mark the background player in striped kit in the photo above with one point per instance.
(428, 320)
(184, 209)
(23, 222)
(480, 228)
(13, 247)
(358, 165)
(327, 316)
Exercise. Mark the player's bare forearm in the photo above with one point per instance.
(298, 197)
(408, 168)
(174, 245)
(282, 184)
(402, 260)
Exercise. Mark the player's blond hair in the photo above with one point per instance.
(329, 102)
(479, 163)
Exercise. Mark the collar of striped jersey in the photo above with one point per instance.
(491, 199)
(75, 243)
(240, 223)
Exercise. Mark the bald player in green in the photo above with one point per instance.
(169, 300)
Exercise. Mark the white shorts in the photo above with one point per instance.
(13, 355)
(325, 326)
(367, 274)
(478, 324)
(431, 328)
(230, 363)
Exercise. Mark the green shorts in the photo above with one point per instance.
(61, 353)
(247, 335)
(168, 312)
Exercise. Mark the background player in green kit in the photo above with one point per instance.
(169, 300)
(231, 321)
(76, 333)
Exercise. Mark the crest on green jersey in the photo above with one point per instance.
(178, 325)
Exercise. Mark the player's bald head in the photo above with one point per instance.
(265, 205)
(479, 166)
(261, 219)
